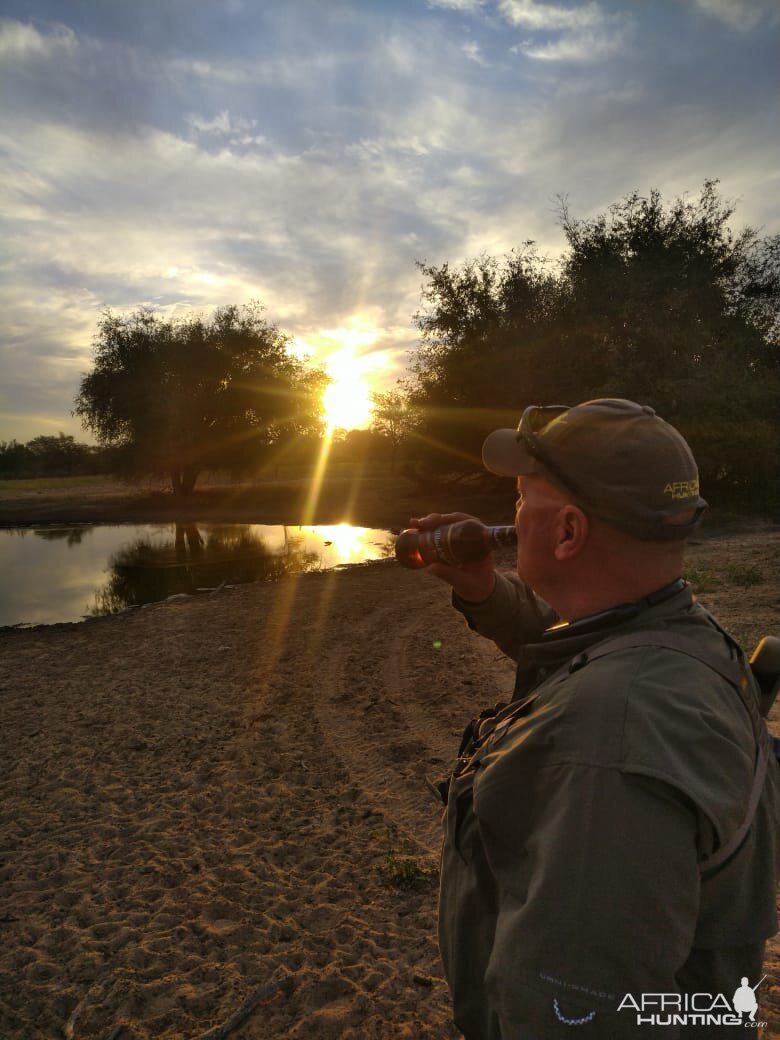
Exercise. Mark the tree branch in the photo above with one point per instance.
(285, 985)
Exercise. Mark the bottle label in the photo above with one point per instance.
(441, 545)
(503, 535)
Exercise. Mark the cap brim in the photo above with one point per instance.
(505, 455)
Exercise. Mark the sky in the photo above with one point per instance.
(187, 154)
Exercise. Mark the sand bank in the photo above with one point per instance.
(207, 795)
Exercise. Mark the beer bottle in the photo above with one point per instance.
(465, 541)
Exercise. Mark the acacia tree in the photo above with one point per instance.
(184, 395)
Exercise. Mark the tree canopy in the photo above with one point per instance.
(182, 395)
(393, 418)
(663, 304)
(49, 456)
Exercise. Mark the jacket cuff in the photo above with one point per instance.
(487, 615)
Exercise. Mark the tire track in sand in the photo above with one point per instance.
(380, 706)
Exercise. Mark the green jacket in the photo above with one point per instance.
(571, 866)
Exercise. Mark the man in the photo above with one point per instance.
(612, 832)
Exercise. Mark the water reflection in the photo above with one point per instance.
(70, 535)
(146, 571)
(65, 574)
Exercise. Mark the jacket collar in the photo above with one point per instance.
(562, 642)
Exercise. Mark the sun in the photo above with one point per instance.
(346, 402)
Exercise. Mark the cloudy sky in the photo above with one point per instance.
(183, 154)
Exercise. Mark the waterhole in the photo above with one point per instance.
(55, 574)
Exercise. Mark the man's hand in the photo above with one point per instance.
(473, 582)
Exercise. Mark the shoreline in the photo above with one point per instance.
(370, 502)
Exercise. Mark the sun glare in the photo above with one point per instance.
(346, 402)
(353, 364)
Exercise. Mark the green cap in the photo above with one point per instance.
(619, 460)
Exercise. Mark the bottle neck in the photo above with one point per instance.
(503, 535)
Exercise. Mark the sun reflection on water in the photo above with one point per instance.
(342, 543)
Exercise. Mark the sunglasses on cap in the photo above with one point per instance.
(534, 420)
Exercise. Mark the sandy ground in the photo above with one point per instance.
(215, 793)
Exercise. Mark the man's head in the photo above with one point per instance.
(608, 495)
(618, 460)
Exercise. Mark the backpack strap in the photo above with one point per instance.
(736, 672)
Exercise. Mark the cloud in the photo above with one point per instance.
(308, 162)
(465, 6)
(20, 41)
(226, 131)
(473, 52)
(582, 47)
(532, 14)
(743, 15)
(576, 34)
(54, 74)
(143, 218)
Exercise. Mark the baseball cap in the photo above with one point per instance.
(619, 460)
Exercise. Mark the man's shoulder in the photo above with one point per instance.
(657, 711)
(669, 685)
(671, 664)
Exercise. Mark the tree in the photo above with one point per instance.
(664, 304)
(184, 395)
(486, 331)
(47, 456)
(671, 304)
(15, 460)
(57, 456)
(394, 417)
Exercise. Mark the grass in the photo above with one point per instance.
(59, 492)
(743, 575)
(406, 873)
(55, 483)
(95, 487)
(705, 577)
(400, 869)
(702, 576)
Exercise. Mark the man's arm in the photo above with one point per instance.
(498, 606)
(511, 616)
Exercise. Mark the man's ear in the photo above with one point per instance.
(571, 533)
